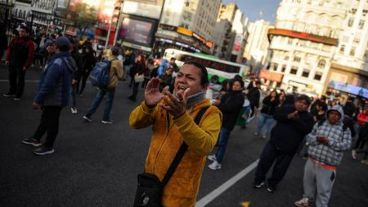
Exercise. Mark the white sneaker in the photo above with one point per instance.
(106, 122)
(74, 110)
(214, 165)
(304, 202)
(354, 154)
(87, 119)
(211, 157)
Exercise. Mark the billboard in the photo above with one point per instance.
(136, 30)
(144, 8)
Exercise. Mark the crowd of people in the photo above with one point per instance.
(319, 129)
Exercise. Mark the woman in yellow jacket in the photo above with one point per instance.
(172, 119)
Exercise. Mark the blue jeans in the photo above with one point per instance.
(222, 143)
(108, 105)
(265, 121)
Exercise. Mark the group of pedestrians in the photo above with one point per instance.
(173, 98)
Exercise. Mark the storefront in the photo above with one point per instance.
(346, 81)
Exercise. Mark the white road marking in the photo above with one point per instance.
(222, 188)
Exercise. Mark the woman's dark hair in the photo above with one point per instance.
(236, 80)
(303, 98)
(204, 73)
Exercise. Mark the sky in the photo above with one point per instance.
(257, 9)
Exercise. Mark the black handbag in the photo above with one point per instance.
(150, 188)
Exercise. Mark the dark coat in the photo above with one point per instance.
(253, 96)
(230, 106)
(288, 134)
(268, 106)
(55, 84)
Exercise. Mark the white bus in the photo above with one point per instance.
(223, 69)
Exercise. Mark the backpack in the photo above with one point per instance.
(99, 76)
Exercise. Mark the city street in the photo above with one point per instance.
(96, 164)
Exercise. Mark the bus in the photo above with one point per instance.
(223, 69)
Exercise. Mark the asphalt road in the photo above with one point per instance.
(96, 164)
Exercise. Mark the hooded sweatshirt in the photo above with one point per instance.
(339, 140)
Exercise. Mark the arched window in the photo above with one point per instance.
(322, 63)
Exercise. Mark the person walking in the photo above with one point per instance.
(88, 61)
(254, 96)
(139, 68)
(266, 120)
(53, 94)
(327, 142)
(293, 123)
(115, 74)
(171, 117)
(19, 57)
(230, 105)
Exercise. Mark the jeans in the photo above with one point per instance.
(222, 143)
(108, 105)
(135, 90)
(269, 156)
(265, 122)
(49, 123)
(16, 80)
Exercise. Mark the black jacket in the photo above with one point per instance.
(268, 106)
(253, 96)
(230, 106)
(287, 133)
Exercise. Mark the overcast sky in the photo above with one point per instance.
(257, 9)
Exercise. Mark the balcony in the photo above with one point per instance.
(303, 36)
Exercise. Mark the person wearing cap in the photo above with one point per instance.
(293, 122)
(116, 74)
(19, 57)
(52, 95)
(327, 142)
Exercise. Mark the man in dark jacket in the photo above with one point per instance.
(19, 57)
(293, 123)
(53, 94)
(254, 96)
(230, 106)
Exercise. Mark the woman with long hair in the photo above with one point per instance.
(138, 68)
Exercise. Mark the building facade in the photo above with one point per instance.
(304, 41)
(349, 69)
(238, 35)
(224, 39)
(257, 49)
(188, 25)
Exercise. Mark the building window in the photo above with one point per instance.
(297, 59)
(293, 71)
(342, 48)
(352, 51)
(283, 68)
(350, 22)
(305, 73)
(318, 76)
(322, 63)
(275, 66)
(286, 58)
(361, 24)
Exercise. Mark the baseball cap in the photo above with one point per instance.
(62, 41)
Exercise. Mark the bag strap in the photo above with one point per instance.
(183, 148)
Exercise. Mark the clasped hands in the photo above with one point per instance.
(175, 105)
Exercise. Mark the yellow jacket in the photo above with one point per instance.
(168, 135)
(116, 72)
